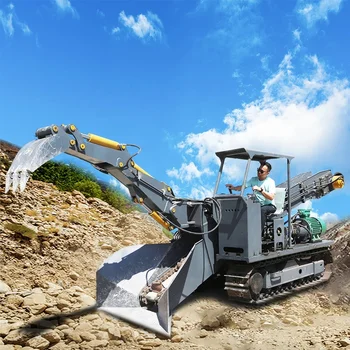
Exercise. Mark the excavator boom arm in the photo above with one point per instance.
(109, 157)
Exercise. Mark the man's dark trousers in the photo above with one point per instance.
(266, 210)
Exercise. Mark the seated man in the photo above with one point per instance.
(264, 188)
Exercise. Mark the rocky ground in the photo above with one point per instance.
(52, 243)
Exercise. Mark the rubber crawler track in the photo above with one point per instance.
(238, 289)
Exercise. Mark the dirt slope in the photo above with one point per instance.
(50, 270)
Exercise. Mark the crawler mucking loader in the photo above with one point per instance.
(217, 237)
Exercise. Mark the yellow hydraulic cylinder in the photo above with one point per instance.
(102, 141)
(141, 170)
(156, 217)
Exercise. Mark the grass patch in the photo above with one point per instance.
(70, 177)
(49, 201)
(76, 220)
(31, 212)
(5, 163)
(50, 218)
(54, 230)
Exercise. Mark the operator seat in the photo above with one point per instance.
(275, 220)
(280, 197)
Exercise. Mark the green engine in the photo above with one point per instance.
(306, 229)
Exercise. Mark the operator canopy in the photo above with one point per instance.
(243, 153)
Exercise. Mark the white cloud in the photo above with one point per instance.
(296, 34)
(66, 6)
(188, 172)
(228, 6)
(327, 217)
(236, 74)
(144, 25)
(37, 41)
(330, 217)
(239, 30)
(115, 183)
(25, 28)
(242, 85)
(201, 192)
(6, 21)
(115, 30)
(198, 190)
(306, 205)
(9, 20)
(306, 116)
(315, 12)
(297, 38)
(100, 13)
(265, 62)
(176, 188)
(313, 108)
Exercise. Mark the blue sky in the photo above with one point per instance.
(184, 79)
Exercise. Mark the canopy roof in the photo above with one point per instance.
(243, 153)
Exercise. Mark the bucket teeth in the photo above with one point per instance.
(29, 158)
(16, 178)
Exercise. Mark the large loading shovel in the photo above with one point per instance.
(143, 284)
